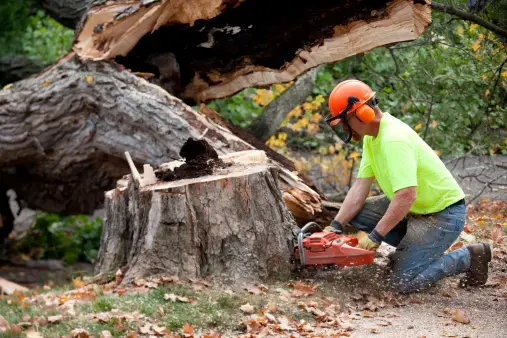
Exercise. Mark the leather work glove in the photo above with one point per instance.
(371, 242)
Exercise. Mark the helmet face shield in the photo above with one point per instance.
(340, 126)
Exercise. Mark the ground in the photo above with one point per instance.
(351, 302)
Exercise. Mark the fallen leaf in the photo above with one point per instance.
(4, 324)
(79, 333)
(89, 79)
(120, 291)
(374, 330)
(497, 233)
(131, 335)
(146, 329)
(31, 333)
(173, 298)
(106, 334)
(188, 329)
(247, 308)
(8, 86)
(26, 318)
(302, 289)
(78, 283)
(257, 289)
(55, 319)
(118, 277)
(158, 329)
(384, 323)
(460, 316)
(285, 324)
(161, 311)
(16, 328)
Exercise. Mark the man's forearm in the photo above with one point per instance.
(354, 200)
(397, 210)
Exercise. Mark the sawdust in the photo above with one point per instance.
(200, 160)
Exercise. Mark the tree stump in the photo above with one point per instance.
(232, 224)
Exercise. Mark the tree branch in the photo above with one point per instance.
(469, 17)
(275, 112)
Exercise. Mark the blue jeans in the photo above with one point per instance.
(420, 242)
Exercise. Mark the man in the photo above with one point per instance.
(423, 211)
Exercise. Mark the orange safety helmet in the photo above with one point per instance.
(348, 97)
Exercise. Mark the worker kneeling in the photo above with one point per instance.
(423, 211)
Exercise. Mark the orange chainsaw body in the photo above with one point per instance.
(328, 248)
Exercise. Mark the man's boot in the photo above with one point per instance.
(480, 256)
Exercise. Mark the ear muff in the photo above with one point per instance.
(365, 113)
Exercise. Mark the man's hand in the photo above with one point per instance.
(367, 244)
(336, 227)
(371, 242)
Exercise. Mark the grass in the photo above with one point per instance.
(208, 309)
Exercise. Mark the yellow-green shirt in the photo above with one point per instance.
(398, 158)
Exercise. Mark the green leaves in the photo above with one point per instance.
(73, 238)
(30, 32)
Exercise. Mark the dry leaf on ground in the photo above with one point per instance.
(173, 298)
(31, 333)
(257, 289)
(55, 319)
(4, 324)
(302, 289)
(106, 334)
(78, 283)
(118, 277)
(460, 316)
(188, 329)
(79, 333)
(247, 308)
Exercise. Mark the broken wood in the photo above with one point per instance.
(213, 49)
(232, 224)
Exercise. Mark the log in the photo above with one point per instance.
(64, 132)
(231, 225)
(213, 49)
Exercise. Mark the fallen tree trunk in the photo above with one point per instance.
(231, 224)
(72, 123)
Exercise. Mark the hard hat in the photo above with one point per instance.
(348, 97)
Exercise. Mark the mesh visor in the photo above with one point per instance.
(340, 126)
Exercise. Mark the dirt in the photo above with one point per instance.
(200, 160)
(376, 312)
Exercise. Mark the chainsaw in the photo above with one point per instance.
(328, 249)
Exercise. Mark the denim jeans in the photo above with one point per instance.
(420, 242)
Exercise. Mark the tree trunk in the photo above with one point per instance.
(66, 12)
(64, 133)
(232, 225)
(271, 117)
(15, 68)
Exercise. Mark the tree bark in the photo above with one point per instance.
(18, 67)
(272, 116)
(232, 225)
(64, 133)
(66, 12)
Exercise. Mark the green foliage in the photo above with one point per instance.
(240, 109)
(450, 85)
(73, 238)
(27, 30)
